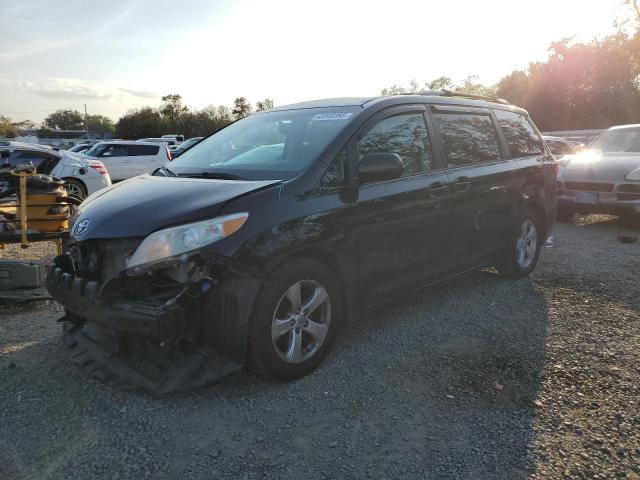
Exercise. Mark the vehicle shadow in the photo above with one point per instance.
(438, 384)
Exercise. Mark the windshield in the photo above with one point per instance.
(618, 140)
(274, 145)
(96, 150)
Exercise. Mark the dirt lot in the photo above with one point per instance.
(480, 377)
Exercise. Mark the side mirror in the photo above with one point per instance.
(377, 167)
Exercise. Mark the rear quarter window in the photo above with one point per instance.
(24, 157)
(468, 138)
(137, 150)
(522, 138)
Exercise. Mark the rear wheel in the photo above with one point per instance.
(295, 320)
(524, 247)
(75, 188)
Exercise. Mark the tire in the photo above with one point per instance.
(630, 219)
(565, 214)
(524, 247)
(75, 188)
(275, 330)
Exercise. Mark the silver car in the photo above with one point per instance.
(605, 178)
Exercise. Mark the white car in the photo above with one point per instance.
(127, 158)
(82, 176)
(178, 138)
(166, 141)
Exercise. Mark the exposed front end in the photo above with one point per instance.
(148, 302)
(168, 329)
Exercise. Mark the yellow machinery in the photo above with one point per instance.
(40, 211)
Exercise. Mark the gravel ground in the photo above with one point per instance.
(480, 377)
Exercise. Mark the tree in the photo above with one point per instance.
(140, 123)
(581, 85)
(7, 128)
(469, 85)
(265, 104)
(26, 124)
(472, 86)
(65, 120)
(173, 110)
(241, 108)
(100, 124)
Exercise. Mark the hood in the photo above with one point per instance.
(591, 166)
(141, 205)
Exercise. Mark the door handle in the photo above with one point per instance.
(462, 184)
(438, 190)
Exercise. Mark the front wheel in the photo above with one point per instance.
(524, 247)
(295, 320)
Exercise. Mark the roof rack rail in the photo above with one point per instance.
(472, 96)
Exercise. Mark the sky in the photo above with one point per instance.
(118, 55)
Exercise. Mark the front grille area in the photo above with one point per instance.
(628, 188)
(589, 186)
(102, 259)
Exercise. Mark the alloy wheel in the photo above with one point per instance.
(301, 321)
(74, 189)
(526, 244)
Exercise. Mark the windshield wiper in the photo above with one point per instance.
(214, 175)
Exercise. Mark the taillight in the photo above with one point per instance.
(99, 167)
(169, 157)
(555, 168)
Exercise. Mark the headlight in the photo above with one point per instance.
(178, 243)
(633, 174)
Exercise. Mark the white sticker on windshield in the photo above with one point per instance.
(331, 116)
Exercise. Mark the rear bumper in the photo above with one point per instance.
(600, 205)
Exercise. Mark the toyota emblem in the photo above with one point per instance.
(81, 227)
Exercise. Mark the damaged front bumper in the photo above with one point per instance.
(126, 331)
(154, 321)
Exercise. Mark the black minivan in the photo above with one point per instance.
(256, 244)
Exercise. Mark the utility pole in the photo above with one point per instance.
(86, 123)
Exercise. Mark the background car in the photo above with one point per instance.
(605, 178)
(178, 138)
(82, 176)
(128, 158)
(166, 141)
(79, 148)
(560, 146)
(177, 150)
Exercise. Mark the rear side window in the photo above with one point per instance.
(521, 137)
(24, 157)
(405, 135)
(468, 138)
(137, 150)
(115, 150)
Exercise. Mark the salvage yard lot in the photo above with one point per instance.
(479, 377)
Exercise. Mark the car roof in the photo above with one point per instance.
(129, 142)
(435, 97)
(551, 137)
(11, 145)
(622, 127)
(326, 102)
